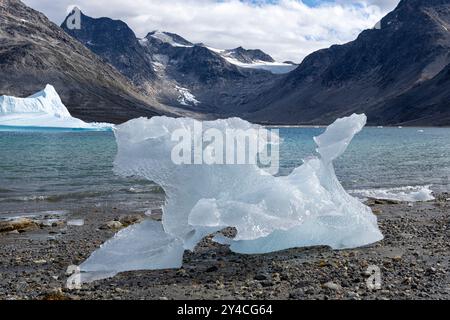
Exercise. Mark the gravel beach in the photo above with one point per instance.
(413, 260)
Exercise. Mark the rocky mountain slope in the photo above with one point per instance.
(397, 74)
(427, 103)
(117, 44)
(180, 73)
(34, 52)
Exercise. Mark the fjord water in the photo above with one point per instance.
(65, 170)
(61, 170)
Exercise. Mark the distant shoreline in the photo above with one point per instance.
(375, 127)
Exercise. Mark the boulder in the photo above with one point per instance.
(22, 224)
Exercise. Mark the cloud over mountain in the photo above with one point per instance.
(286, 29)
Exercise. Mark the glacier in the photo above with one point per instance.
(43, 109)
(309, 207)
(273, 67)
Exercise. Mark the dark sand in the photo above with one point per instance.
(413, 258)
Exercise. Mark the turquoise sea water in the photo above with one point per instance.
(46, 170)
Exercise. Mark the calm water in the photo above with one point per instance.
(68, 170)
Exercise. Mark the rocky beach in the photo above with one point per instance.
(105, 121)
(413, 259)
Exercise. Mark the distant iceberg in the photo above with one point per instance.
(307, 208)
(43, 109)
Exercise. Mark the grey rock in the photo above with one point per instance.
(332, 286)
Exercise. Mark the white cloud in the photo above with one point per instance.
(287, 29)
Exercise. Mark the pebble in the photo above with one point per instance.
(411, 258)
(112, 225)
(21, 224)
(267, 283)
(332, 286)
(129, 220)
(352, 294)
(260, 277)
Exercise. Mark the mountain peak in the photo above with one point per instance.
(116, 42)
(36, 52)
(404, 54)
(248, 55)
(170, 38)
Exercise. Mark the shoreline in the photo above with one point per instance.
(413, 260)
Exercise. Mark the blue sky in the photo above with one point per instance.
(313, 2)
(286, 29)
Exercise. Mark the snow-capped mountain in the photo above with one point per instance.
(248, 56)
(35, 52)
(115, 42)
(180, 73)
(397, 73)
(169, 38)
(255, 59)
(245, 58)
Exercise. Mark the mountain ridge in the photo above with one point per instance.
(397, 73)
(367, 75)
(35, 52)
(180, 73)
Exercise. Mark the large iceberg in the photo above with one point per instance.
(307, 208)
(43, 109)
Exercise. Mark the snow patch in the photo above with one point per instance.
(220, 51)
(307, 208)
(186, 98)
(159, 63)
(164, 37)
(274, 67)
(43, 109)
(143, 42)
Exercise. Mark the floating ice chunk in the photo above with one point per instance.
(308, 207)
(76, 222)
(43, 109)
(46, 101)
(403, 194)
